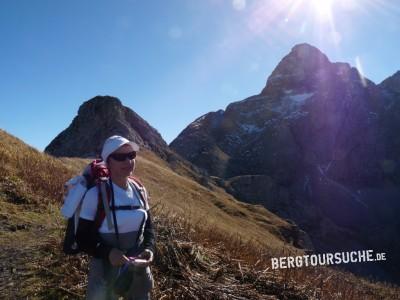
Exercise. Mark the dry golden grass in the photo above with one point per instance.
(31, 170)
(224, 267)
(188, 199)
(210, 246)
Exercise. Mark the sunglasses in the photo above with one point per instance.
(123, 156)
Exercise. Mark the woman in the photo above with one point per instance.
(112, 246)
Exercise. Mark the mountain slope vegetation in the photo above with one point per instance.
(210, 246)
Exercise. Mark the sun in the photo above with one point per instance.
(322, 8)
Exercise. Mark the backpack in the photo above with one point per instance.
(95, 174)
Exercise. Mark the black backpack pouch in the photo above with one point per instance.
(70, 245)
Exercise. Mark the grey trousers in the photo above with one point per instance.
(99, 287)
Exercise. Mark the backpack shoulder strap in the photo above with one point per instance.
(103, 204)
(137, 184)
(136, 180)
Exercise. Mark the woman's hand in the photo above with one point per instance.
(147, 255)
(144, 259)
(117, 257)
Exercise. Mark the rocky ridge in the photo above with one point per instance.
(317, 146)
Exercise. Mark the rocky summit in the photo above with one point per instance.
(99, 118)
(319, 146)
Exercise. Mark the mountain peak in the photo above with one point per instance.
(100, 102)
(305, 53)
(99, 118)
(299, 69)
(305, 48)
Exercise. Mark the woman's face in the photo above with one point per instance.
(118, 167)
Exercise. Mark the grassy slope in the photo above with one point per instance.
(218, 209)
(202, 236)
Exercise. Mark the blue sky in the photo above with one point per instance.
(171, 61)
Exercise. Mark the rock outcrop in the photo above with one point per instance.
(99, 118)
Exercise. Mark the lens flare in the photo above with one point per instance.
(323, 8)
(360, 71)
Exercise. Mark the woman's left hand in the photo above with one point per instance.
(147, 255)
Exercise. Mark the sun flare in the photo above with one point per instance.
(322, 8)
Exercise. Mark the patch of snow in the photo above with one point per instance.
(296, 115)
(198, 120)
(197, 123)
(280, 109)
(372, 117)
(299, 98)
(289, 106)
(271, 122)
(275, 76)
(250, 128)
(234, 139)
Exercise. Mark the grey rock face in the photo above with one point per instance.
(312, 113)
(390, 89)
(99, 118)
(311, 147)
